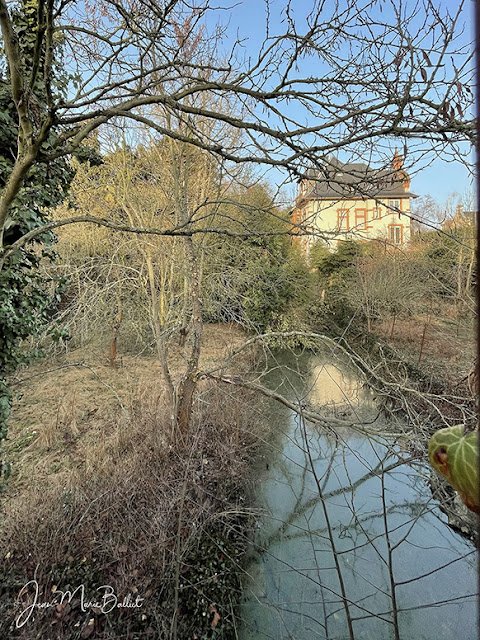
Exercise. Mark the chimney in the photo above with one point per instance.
(397, 160)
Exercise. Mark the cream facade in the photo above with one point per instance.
(325, 211)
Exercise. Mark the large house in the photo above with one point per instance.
(352, 201)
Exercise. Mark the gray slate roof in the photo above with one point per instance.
(355, 179)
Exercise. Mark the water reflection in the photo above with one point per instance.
(329, 384)
(350, 536)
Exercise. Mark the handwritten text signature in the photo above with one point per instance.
(106, 603)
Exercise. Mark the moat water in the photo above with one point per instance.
(347, 524)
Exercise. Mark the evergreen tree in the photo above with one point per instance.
(26, 295)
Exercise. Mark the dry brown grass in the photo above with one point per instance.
(449, 344)
(60, 411)
(97, 495)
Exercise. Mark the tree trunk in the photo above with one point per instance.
(116, 327)
(157, 319)
(188, 384)
(369, 323)
(422, 343)
(471, 264)
(393, 325)
(459, 296)
(13, 186)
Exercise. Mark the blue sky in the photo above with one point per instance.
(441, 179)
(247, 21)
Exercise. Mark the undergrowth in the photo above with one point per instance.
(155, 517)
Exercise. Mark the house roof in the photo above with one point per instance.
(338, 180)
(461, 218)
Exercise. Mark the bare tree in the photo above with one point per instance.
(378, 75)
(358, 78)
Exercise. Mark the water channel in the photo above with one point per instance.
(363, 515)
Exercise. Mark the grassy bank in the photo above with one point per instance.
(102, 493)
(431, 361)
(441, 345)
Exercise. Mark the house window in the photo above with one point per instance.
(394, 206)
(343, 219)
(396, 234)
(360, 219)
(376, 213)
